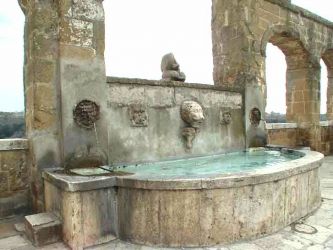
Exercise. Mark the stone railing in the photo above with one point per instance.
(14, 177)
(288, 134)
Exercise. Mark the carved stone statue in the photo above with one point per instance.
(170, 69)
(192, 113)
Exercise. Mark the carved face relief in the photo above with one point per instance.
(225, 117)
(255, 117)
(191, 112)
(138, 115)
(86, 113)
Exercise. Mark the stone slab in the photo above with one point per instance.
(43, 229)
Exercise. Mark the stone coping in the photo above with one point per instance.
(309, 161)
(326, 123)
(304, 12)
(272, 126)
(281, 125)
(163, 83)
(14, 144)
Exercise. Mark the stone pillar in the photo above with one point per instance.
(41, 86)
(64, 64)
(236, 43)
(238, 60)
(82, 74)
(303, 99)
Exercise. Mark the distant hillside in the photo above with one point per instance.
(12, 125)
(274, 117)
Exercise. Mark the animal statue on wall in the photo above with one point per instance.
(170, 69)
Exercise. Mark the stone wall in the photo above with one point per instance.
(162, 138)
(15, 195)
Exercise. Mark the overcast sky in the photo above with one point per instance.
(138, 34)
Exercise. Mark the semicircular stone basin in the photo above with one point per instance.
(207, 201)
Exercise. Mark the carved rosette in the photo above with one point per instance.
(86, 113)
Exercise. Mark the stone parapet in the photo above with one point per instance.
(14, 177)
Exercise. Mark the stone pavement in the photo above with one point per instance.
(313, 233)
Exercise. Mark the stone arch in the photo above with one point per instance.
(302, 76)
(273, 30)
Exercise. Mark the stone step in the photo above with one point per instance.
(43, 228)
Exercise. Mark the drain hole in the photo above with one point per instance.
(303, 228)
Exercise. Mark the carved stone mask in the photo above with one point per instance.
(255, 117)
(189, 135)
(138, 115)
(192, 113)
(225, 117)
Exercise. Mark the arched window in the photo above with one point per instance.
(139, 33)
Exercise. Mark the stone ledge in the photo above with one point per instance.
(270, 126)
(14, 144)
(308, 162)
(303, 12)
(137, 81)
(326, 123)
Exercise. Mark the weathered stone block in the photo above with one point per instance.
(76, 32)
(42, 229)
(44, 71)
(4, 186)
(160, 97)
(91, 10)
(78, 53)
(126, 94)
(17, 203)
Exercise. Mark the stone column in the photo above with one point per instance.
(41, 86)
(303, 99)
(238, 60)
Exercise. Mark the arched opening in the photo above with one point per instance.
(323, 91)
(138, 37)
(276, 85)
(11, 70)
(327, 58)
(302, 79)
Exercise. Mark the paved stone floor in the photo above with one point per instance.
(312, 233)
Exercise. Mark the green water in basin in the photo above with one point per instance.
(211, 165)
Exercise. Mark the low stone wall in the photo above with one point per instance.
(282, 134)
(326, 134)
(289, 135)
(14, 177)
